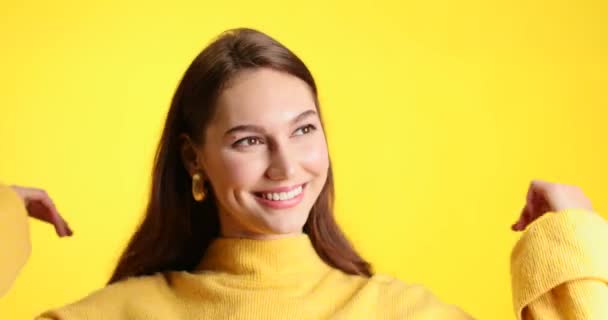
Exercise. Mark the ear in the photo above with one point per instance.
(190, 155)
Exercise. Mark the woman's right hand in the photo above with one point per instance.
(40, 206)
(544, 196)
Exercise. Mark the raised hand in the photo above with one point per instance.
(40, 206)
(546, 196)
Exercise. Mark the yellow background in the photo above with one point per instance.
(439, 114)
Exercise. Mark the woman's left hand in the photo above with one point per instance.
(545, 196)
(39, 205)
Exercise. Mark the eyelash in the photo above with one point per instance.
(238, 142)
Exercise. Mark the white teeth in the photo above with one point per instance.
(276, 196)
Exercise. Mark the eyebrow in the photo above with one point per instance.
(254, 128)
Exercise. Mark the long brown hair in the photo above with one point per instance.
(177, 230)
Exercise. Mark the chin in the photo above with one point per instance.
(286, 227)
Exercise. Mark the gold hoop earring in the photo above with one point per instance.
(198, 187)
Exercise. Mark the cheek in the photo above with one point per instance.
(315, 156)
(235, 171)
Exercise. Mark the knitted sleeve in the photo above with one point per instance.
(14, 237)
(559, 267)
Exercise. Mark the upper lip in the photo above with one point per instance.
(281, 189)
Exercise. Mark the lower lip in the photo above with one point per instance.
(282, 204)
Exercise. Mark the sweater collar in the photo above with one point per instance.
(292, 254)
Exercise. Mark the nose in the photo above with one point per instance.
(282, 166)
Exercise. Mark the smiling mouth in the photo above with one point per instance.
(281, 196)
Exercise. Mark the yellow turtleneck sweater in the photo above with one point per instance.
(559, 271)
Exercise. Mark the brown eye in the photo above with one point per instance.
(249, 141)
(306, 129)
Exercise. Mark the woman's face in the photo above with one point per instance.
(265, 155)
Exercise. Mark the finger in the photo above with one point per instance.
(518, 224)
(525, 215)
(541, 183)
(55, 218)
(524, 219)
(66, 227)
(530, 191)
(539, 203)
(61, 226)
(542, 188)
(70, 232)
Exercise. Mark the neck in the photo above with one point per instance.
(257, 236)
(289, 254)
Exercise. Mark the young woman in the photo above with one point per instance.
(240, 220)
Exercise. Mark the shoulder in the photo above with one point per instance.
(392, 289)
(398, 299)
(118, 300)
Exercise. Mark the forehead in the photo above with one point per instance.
(263, 96)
